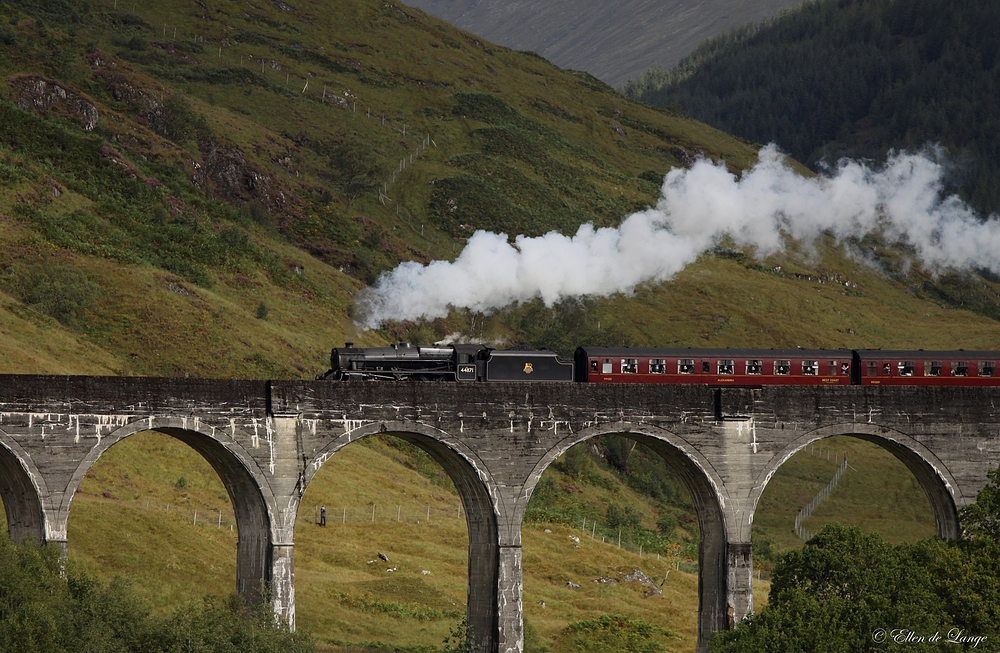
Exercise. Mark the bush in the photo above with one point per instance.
(625, 518)
(613, 632)
(460, 640)
(60, 291)
(181, 123)
(666, 525)
(486, 108)
(359, 169)
(575, 462)
(44, 610)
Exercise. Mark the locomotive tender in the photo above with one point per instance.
(713, 367)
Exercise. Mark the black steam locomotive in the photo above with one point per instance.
(449, 363)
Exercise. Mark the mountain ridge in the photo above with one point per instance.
(613, 42)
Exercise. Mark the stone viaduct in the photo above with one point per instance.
(268, 439)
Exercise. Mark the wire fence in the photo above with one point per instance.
(200, 517)
(401, 166)
(679, 557)
(374, 513)
(804, 533)
(677, 554)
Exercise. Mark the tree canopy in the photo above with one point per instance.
(851, 592)
(855, 78)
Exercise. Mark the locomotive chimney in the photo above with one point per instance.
(348, 345)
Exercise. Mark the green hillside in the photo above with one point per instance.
(214, 204)
(877, 493)
(183, 236)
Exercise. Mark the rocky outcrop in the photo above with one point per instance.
(44, 96)
(228, 175)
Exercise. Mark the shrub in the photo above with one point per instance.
(575, 462)
(666, 525)
(625, 518)
(46, 610)
(613, 632)
(60, 291)
(486, 108)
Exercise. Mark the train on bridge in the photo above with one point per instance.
(713, 367)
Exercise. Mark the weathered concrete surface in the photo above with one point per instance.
(267, 440)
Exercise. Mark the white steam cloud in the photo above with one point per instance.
(902, 200)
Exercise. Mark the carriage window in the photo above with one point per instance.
(845, 368)
(705, 367)
(886, 369)
(657, 366)
(595, 366)
(872, 368)
(906, 368)
(607, 367)
(831, 368)
(755, 367)
(932, 368)
(630, 365)
(959, 368)
(810, 368)
(782, 367)
(685, 366)
(726, 367)
(987, 368)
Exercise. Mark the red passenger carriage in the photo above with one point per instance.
(715, 367)
(934, 368)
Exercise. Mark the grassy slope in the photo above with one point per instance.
(149, 321)
(877, 493)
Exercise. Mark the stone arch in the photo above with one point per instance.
(481, 501)
(707, 490)
(22, 488)
(934, 477)
(248, 489)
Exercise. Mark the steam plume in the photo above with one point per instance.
(903, 200)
